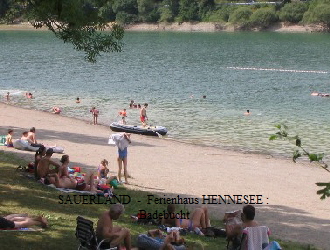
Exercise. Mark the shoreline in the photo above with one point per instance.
(237, 149)
(280, 27)
(290, 206)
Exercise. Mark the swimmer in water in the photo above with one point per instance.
(78, 100)
(247, 112)
(57, 110)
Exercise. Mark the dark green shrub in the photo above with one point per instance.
(318, 14)
(124, 18)
(240, 16)
(263, 18)
(293, 12)
(222, 14)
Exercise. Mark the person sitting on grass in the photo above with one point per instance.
(43, 167)
(9, 138)
(22, 220)
(41, 152)
(106, 230)
(103, 171)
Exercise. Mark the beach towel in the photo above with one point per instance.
(120, 141)
(24, 145)
(25, 229)
(2, 140)
(257, 237)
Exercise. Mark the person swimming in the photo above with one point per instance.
(78, 100)
(247, 112)
(57, 110)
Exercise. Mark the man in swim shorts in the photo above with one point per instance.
(143, 114)
(123, 115)
(43, 168)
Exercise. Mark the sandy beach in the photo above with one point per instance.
(190, 27)
(290, 206)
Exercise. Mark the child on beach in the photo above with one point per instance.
(95, 114)
(9, 138)
(103, 171)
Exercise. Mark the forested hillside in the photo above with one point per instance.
(244, 14)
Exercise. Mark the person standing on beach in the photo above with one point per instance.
(143, 114)
(122, 141)
(7, 97)
(123, 115)
(95, 114)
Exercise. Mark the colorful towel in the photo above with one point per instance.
(26, 229)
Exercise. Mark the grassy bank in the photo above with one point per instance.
(19, 194)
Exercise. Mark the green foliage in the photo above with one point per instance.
(188, 11)
(168, 10)
(127, 6)
(299, 152)
(78, 22)
(293, 12)
(241, 16)
(222, 14)
(147, 11)
(318, 14)
(325, 192)
(263, 17)
(124, 18)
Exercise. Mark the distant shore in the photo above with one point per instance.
(190, 27)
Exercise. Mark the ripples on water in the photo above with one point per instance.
(270, 74)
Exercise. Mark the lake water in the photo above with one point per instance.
(270, 74)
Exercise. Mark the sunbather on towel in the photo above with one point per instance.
(22, 220)
(72, 183)
(199, 219)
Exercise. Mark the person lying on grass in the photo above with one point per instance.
(199, 219)
(22, 220)
(71, 182)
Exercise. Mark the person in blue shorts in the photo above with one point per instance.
(122, 159)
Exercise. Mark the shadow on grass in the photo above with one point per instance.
(19, 194)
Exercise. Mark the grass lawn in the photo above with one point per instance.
(19, 194)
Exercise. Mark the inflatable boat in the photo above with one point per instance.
(147, 130)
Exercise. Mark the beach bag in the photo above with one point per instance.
(30, 167)
(114, 183)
